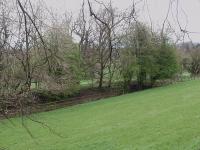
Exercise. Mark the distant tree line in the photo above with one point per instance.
(189, 53)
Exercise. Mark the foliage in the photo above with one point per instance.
(155, 56)
(194, 65)
(64, 76)
(38, 48)
(166, 62)
(128, 67)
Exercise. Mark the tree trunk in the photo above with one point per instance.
(101, 79)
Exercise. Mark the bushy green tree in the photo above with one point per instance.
(166, 62)
(155, 56)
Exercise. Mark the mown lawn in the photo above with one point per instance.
(166, 118)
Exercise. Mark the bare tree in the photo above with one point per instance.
(109, 20)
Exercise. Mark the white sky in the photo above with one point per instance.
(157, 10)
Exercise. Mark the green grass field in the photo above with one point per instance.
(166, 118)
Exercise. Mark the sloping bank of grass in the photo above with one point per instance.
(166, 118)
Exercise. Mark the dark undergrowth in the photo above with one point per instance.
(47, 101)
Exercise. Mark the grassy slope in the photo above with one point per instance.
(161, 118)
